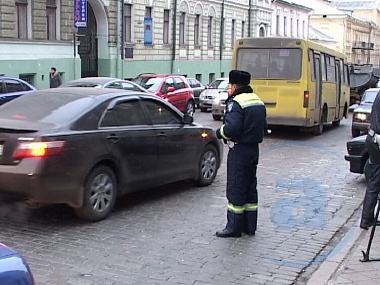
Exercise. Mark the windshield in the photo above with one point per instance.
(152, 84)
(274, 63)
(218, 84)
(369, 96)
(46, 108)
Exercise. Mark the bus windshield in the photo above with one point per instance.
(274, 63)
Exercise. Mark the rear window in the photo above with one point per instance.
(273, 63)
(369, 96)
(51, 108)
(152, 84)
(219, 84)
(79, 84)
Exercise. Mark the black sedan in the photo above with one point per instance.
(86, 146)
(358, 155)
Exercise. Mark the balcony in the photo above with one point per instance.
(363, 45)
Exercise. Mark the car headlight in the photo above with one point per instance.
(360, 116)
(202, 96)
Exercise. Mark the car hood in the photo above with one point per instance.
(6, 251)
(208, 92)
(363, 108)
(360, 139)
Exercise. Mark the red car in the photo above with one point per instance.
(173, 88)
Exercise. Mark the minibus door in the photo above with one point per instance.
(338, 88)
(318, 87)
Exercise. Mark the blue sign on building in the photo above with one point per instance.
(80, 13)
(148, 30)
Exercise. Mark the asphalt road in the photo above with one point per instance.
(308, 200)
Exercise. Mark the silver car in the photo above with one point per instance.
(105, 82)
(219, 105)
(211, 92)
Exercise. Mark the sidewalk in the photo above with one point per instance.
(344, 266)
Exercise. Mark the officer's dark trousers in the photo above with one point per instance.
(242, 194)
(373, 186)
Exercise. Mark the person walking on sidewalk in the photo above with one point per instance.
(244, 126)
(55, 78)
(373, 187)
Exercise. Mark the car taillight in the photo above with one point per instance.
(306, 98)
(38, 149)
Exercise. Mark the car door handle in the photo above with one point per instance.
(162, 136)
(113, 138)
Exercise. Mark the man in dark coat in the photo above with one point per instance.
(243, 128)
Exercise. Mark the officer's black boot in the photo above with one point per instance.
(234, 226)
(250, 220)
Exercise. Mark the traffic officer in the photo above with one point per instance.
(243, 128)
(373, 187)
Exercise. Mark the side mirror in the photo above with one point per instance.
(170, 89)
(187, 119)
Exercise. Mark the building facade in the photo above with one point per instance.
(126, 37)
(290, 19)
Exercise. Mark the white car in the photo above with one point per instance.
(211, 92)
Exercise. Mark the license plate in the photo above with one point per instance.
(1, 149)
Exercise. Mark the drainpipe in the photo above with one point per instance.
(369, 41)
(221, 41)
(249, 18)
(174, 38)
(119, 40)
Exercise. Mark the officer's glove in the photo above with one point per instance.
(218, 134)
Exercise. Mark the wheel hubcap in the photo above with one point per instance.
(102, 191)
(190, 109)
(208, 165)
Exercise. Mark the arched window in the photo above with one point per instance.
(262, 32)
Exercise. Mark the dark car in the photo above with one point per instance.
(358, 155)
(197, 87)
(361, 117)
(171, 87)
(105, 82)
(11, 88)
(86, 146)
(13, 268)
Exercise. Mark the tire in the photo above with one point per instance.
(318, 130)
(366, 169)
(355, 132)
(190, 108)
(102, 186)
(203, 109)
(217, 117)
(336, 123)
(208, 166)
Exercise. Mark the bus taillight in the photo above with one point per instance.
(306, 99)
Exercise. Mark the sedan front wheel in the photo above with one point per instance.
(190, 108)
(100, 191)
(208, 166)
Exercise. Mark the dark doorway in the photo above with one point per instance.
(88, 47)
(262, 32)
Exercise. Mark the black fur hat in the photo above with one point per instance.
(239, 77)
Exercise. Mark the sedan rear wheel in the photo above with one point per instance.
(100, 191)
(208, 166)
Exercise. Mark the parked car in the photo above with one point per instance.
(11, 88)
(197, 87)
(358, 155)
(209, 94)
(13, 268)
(86, 146)
(173, 88)
(105, 82)
(219, 105)
(361, 117)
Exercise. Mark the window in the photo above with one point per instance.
(277, 25)
(312, 64)
(291, 27)
(243, 29)
(13, 85)
(285, 26)
(330, 68)
(323, 67)
(125, 113)
(211, 77)
(346, 75)
(169, 82)
(178, 83)
(298, 28)
(210, 30)
(22, 19)
(51, 20)
(128, 23)
(148, 11)
(233, 35)
(274, 63)
(303, 30)
(182, 28)
(166, 26)
(161, 114)
(198, 77)
(197, 28)
(28, 77)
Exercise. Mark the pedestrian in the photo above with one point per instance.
(55, 78)
(373, 186)
(244, 126)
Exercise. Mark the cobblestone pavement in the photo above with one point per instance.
(308, 201)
